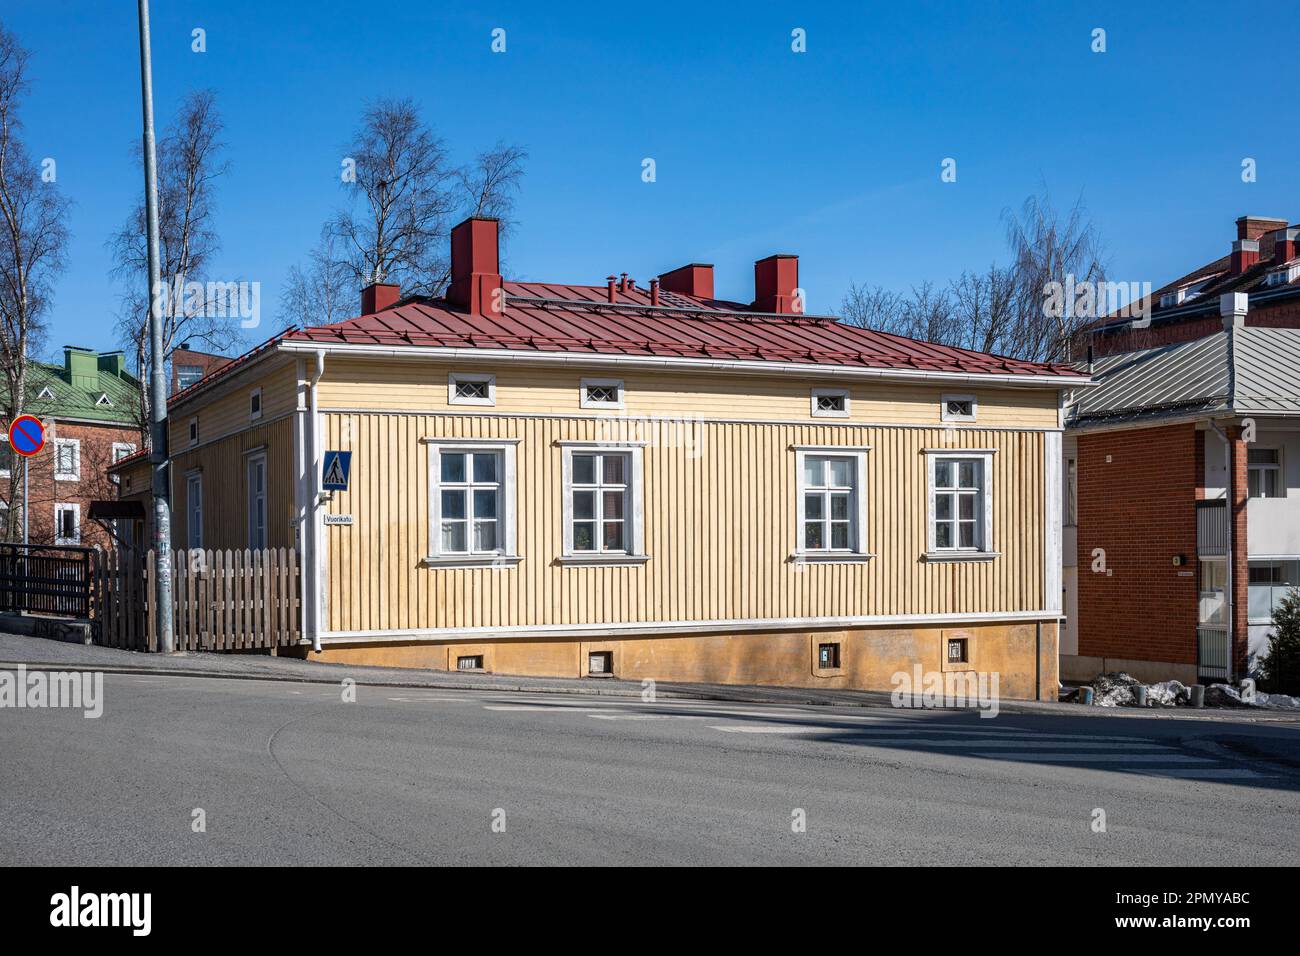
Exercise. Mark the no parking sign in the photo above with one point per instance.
(26, 435)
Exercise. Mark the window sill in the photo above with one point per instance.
(942, 556)
(830, 557)
(67, 477)
(601, 560)
(472, 561)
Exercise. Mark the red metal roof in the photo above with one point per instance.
(547, 317)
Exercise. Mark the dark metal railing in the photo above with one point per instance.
(1211, 529)
(47, 579)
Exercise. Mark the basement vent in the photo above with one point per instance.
(600, 664)
(828, 656)
(473, 662)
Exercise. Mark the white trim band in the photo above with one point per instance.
(679, 627)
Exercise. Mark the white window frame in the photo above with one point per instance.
(506, 554)
(829, 393)
(586, 383)
(75, 445)
(127, 448)
(5, 472)
(59, 509)
(985, 550)
(947, 416)
(104, 400)
(194, 430)
(1275, 468)
(254, 394)
(455, 378)
(250, 497)
(185, 369)
(194, 509)
(46, 393)
(857, 454)
(1070, 506)
(634, 518)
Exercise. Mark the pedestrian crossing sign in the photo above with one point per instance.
(338, 468)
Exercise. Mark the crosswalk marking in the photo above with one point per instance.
(1096, 758)
(1104, 752)
(1203, 773)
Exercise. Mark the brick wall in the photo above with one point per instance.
(1140, 508)
(1281, 315)
(96, 448)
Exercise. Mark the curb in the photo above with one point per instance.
(1045, 708)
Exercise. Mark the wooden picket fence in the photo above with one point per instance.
(224, 600)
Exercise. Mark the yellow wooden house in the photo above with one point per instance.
(639, 480)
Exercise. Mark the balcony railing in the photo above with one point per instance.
(1212, 652)
(1211, 529)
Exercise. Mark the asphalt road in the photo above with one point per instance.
(289, 773)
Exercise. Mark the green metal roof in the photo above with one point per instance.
(87, 386)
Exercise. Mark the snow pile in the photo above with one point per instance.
(1114, 690)
(1118, 690)
(1224, 695)
(1168, 693)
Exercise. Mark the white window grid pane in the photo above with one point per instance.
(474, 529)
(958, 499)
(833, 524)
(600, 528)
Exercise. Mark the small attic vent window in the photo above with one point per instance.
(104, 400)
(1283, 276)
(1179, 296)
(46, 392)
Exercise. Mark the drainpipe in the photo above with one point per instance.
(312, 562)
(1230, 503)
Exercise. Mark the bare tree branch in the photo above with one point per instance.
(33, 247)
(406, 198)
(189, 163)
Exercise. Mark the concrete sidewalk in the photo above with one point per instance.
(35, 652)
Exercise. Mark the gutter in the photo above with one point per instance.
(311, 610)
(1230, 503)
(756, 367)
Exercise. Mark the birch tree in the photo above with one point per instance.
(190, 163)
(404, 195)
(33, 247)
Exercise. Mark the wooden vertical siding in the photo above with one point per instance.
(224, 467)
(720, 528)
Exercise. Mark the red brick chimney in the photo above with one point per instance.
(1252, 227)
(476, 268)
(1245, 254)
(695, 279)
(1286, 243)
(775, 281)
(379, 296)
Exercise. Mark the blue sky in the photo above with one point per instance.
(833, 154)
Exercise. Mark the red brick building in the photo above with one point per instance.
(90, 406)
(1183, 472)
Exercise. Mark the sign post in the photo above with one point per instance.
(27, 438)
(337, 469)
